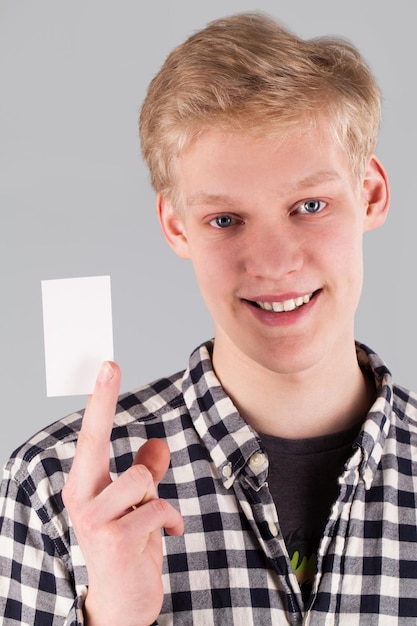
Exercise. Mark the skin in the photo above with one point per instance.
(272, 249)
(118, 524)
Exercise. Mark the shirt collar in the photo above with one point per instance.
(371, 439)
(231, 442)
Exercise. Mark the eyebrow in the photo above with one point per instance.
(209, 198)
(223, 200)
(322, 176)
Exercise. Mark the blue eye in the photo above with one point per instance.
(311, 206)
(222, 221)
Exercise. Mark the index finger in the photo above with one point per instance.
(90, 469)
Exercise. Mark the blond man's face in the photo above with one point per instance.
(274, 232)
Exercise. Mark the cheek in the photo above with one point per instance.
(212, 262)
(344, 244)
(347, 259)
(217, 275)
(209, 268)
(339, 256)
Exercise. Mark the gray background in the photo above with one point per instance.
(75, 198)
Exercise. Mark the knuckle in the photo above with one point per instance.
(88, 524)
(86, 440)
(69, 494)
(140, 475)
(160, 506)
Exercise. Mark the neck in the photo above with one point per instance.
(329, 397)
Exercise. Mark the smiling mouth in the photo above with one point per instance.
(284, 306)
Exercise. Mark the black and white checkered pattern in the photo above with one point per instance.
(231, 566)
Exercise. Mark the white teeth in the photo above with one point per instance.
(286, 305)
(289, 305)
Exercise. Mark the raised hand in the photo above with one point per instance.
(118, 523)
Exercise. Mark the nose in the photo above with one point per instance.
(274, 251)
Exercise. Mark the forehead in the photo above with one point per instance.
(218, 162)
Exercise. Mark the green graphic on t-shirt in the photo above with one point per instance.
(304, 568)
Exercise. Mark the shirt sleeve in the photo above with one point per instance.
(37, 583)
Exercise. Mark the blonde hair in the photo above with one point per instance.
(247, 73)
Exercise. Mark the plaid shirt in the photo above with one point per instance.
(231, 566)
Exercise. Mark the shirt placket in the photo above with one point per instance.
(334, 540)
(253, 493)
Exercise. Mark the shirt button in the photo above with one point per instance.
(227, 470)
(273, 529)
(257, 460)
(368, 475)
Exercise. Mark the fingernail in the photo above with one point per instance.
(106, 372)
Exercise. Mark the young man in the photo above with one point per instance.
(281, 464)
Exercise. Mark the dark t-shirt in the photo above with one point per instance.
(303, 481)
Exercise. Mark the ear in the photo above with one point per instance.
(376, 194)
(172, 226)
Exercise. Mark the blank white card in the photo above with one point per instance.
(78, 332)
